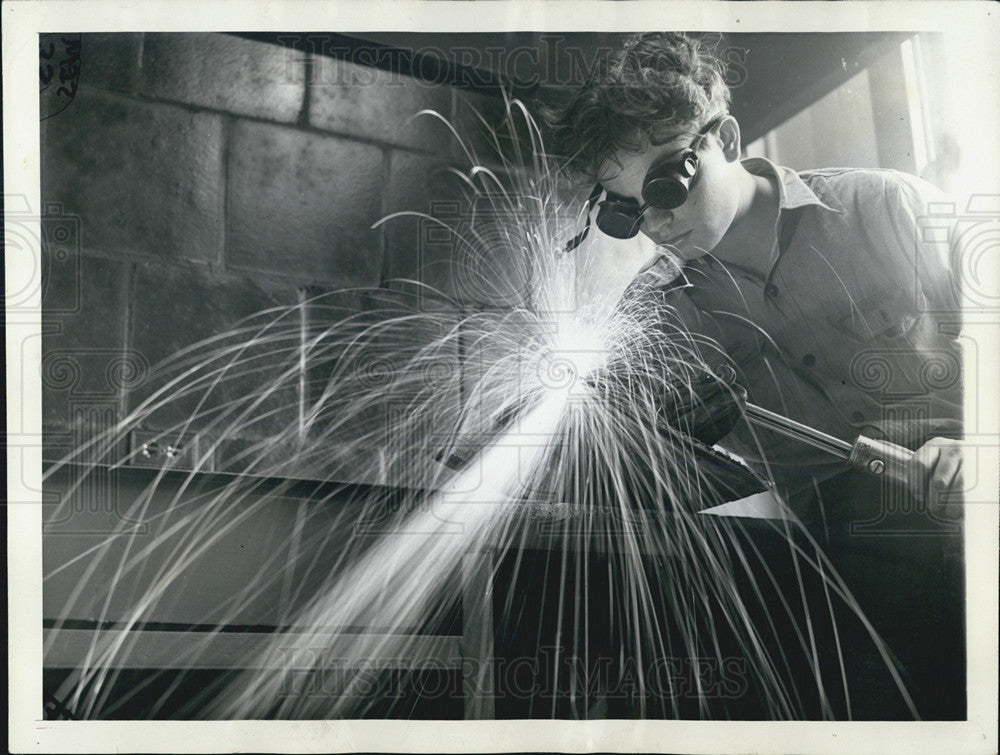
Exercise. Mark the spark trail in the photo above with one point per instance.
(647, 589)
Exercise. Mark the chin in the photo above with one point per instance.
(693, 251)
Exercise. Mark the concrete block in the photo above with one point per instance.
(224, 72)
(110, 61)
(375, 104)
(143, 178)
(419, 248)
(229, 328)
(494, 135)
(481, 122)
(303, 204)
(468, 255)
(84, 361)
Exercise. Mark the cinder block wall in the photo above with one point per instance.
(207, 177)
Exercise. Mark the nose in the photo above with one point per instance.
(656, 224)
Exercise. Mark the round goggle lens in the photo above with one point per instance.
(666, 193)
(667, 187)
(619, 220)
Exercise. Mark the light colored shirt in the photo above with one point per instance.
(854, 323)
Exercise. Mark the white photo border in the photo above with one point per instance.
(24, 19)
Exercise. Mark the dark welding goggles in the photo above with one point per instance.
(665, 187)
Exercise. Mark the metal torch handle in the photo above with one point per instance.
(879, 458)
(874, 457)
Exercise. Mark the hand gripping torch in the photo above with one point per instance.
(876, 457)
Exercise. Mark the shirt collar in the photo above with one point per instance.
(793, 192)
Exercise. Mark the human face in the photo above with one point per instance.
(698, 225)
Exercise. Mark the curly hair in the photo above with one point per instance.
(657, 84)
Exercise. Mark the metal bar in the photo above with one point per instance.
(796, 430)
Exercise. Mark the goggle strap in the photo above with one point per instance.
(574, 242)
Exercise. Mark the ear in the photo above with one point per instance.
(729, 136)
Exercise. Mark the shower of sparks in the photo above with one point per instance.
(542, 436)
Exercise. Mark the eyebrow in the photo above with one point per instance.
(677, 152)
(665, 156)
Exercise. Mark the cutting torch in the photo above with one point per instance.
(876, 457)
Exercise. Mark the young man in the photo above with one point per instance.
(812, 283)
(818, 286)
